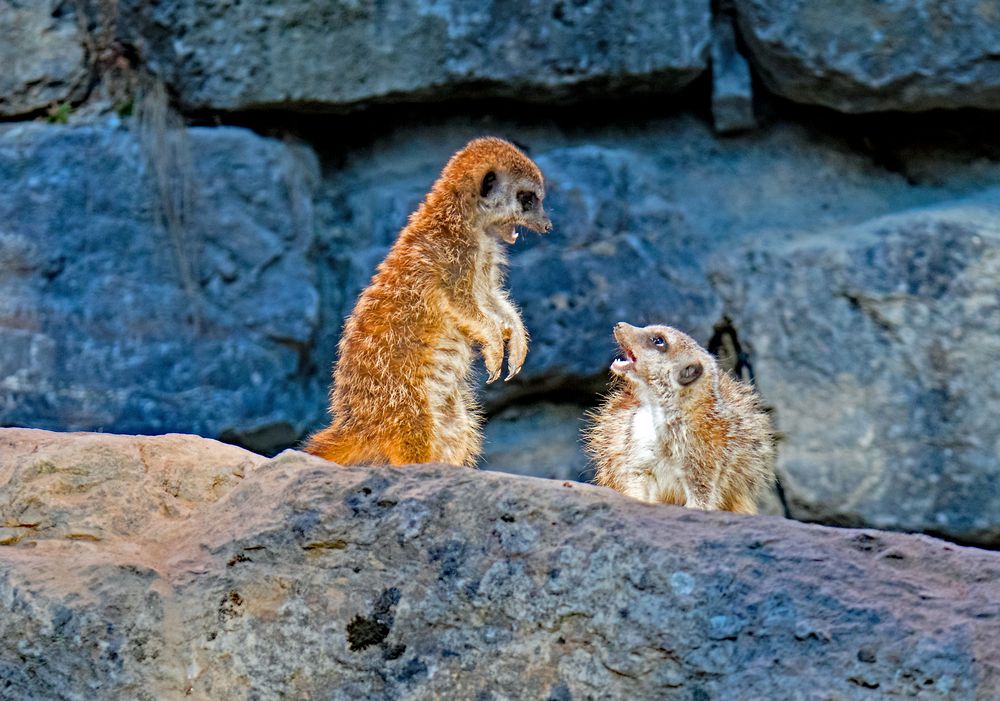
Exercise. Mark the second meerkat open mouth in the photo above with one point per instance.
(625, 363)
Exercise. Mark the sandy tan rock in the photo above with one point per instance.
(98, 487)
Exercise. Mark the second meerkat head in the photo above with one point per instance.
(504, 185)
(665, 360)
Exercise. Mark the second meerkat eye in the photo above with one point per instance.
(487, 186)
(659, 341)
(527, 200)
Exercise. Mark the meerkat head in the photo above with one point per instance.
(505, 185)
(663, 359)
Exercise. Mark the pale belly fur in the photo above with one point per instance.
(449, 399)
(653, 476)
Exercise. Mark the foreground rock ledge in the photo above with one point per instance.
(158, 567)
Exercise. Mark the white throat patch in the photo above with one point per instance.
(654, 468)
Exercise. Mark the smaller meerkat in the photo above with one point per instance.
(677, 429)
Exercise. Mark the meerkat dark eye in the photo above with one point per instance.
(659, 341)
(487, 186)
(527, 200)
(689, 374)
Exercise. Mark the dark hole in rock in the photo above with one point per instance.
(364, 632)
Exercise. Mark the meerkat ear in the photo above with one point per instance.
(488, 181)
(689, 374)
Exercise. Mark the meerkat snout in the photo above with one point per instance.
(535, 217)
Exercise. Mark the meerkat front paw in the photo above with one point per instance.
(517, 350)
(493, 359)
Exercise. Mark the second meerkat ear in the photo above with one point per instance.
(487, 186)
(689, 374)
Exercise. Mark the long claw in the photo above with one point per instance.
(513, 371)
(493, 377)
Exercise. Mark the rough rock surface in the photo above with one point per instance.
(872, 56)
(876, 346)
(732, 85)
(99, 328)
(331, 55)
(214, 575)
(42, 54)
(306, 54)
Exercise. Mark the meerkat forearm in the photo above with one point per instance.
(483, 329)
(497, 299)
(490, 319)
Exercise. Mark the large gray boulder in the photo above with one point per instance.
(877, 345)
(157, 288)
(313, 54)
(42, 54)
(173, 567)
(876, 56)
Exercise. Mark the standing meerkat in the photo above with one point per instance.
(677, 429)
(401, 386)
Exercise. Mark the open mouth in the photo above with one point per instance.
(509, 234)
(505, 232)
(624, 363)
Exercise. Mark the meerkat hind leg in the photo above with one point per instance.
(742, 504)
(456, 429)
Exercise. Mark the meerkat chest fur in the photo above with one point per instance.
(447, 383)
(482, 265)
(488, 269)
(658, 442)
